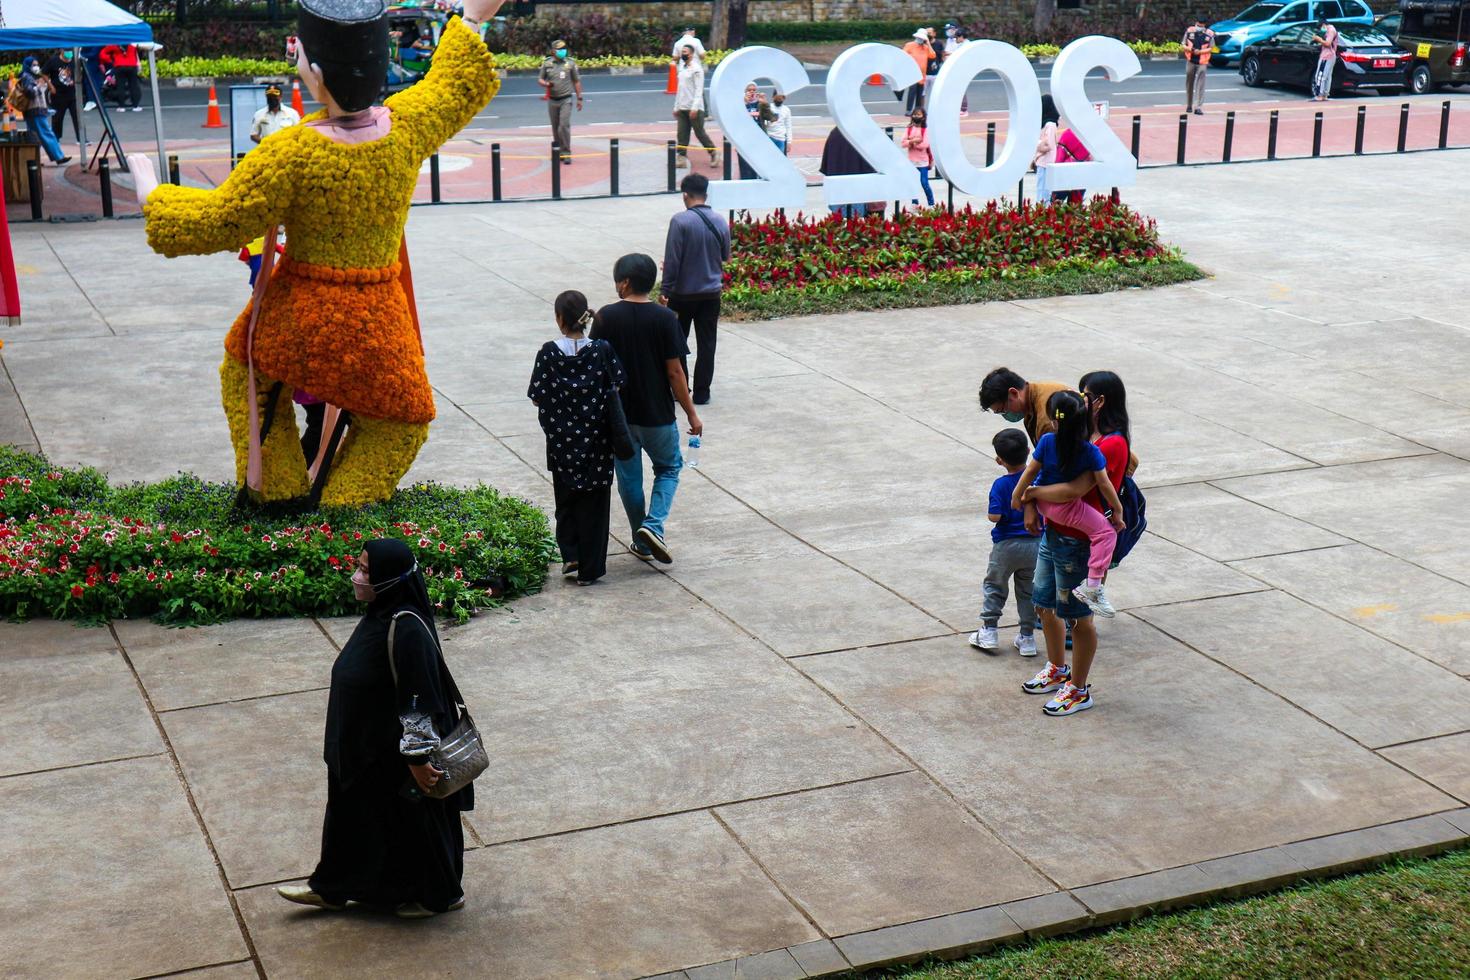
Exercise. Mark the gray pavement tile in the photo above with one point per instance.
(964, 719)
(461, 453)
(778, 964)
(1368, 846)
(1132, 898)
(1048, 915)
(1225, 527)
(226, 971)
(948, 936)
(839, 607)
(622, 901)
(256, 771)
(819, 957)
(1364, 686)
(1157, 572)
(1427, 613)
(1445, 762)
(1253, 871)
(68, 698)
(115, 847)
(246, 658)
(1458, 818)
(861, 856)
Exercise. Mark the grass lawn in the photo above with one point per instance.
(1408, 919)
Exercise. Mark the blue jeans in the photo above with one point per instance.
(661, 443)
(924, 183)
(1061, 566)
(39, 124)
(780, 144)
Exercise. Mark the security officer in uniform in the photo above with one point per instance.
(560, 78)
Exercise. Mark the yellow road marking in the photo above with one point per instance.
(1444, 619)
(1368, 612)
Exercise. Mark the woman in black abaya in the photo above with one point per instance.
(384, 842)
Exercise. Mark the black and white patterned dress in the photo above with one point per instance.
(571, 393)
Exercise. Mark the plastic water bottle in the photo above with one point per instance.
(691, 456)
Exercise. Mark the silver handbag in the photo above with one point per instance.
(461, 754)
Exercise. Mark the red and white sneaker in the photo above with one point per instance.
(1048, 679)
(1069, 700)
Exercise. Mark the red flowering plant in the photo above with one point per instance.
(797, 258)
(73, 547)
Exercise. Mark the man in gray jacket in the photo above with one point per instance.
(695, 254)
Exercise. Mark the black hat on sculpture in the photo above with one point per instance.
(348, 40)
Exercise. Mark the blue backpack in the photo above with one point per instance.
(1133, 516)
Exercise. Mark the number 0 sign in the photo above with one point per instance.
(779, 184)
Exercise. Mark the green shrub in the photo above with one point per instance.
(74, 547)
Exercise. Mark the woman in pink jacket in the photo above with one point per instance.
(916, 141)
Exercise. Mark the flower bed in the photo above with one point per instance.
(781, 266)
(74, 547)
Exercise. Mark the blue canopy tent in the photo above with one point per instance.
(42, 24)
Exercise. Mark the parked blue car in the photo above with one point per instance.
(1269, 16)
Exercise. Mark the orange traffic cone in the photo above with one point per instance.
(212, 119)
(673, 87)
(296, 102)
(875, 79)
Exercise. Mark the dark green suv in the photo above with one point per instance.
(1437, 33)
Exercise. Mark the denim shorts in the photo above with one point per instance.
(1061, 566)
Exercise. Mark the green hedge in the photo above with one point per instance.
(73, 546)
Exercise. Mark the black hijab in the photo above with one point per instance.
(399, 584)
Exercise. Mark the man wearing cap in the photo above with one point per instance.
(920, 50)
(273, 117)
(560, 78)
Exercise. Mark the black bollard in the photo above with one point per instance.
(1317, 135)
(494, 171)
(1137, 135)
(104, 176)
(1183, 137)
(555, 172)
(173, 169)
(434, 177)
(989, 143)
(1362, 125)
(1444, 125)
(673, 163)
(1229, 135)
(1271, 134)
(728, 155)
(612, 166)
(33, 180)
(1403, 126)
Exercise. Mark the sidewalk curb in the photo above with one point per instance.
(1106, 903)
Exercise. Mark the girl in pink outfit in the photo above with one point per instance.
(916, 141)
(1061, 457)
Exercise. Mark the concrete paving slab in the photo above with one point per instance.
(1157, 572)
(1399, 601)
(1048, 915)
(615, 902)
(1253, 871)
(873, 862)
(1132, 898)
(1364, 686)
(778, 964)
(246, 658)
(966, 721)
(108, 847)
(257, 775)
(821, 956)
(67, 698)
(1443, 761)
(1224, 527)
(948, 936)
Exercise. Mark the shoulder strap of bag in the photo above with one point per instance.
(719, 239)
(443, 667)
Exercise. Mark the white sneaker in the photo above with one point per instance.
(89, 106)
(1025, 644)
(1096, 600)
(985, 639)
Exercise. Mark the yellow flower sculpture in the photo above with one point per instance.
(334, 321)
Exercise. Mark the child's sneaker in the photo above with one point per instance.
(1025, 644)
(1048, 679)
(1069, 700)
(1096, 600)
(985, 639)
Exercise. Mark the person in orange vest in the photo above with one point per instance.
(920, 50)
(1197, 44)
(123, 60)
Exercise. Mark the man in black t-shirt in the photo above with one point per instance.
(649, 343)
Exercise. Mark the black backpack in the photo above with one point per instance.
(1133, 516)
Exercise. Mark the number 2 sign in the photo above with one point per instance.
(780, 185)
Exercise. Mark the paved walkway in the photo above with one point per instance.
(781, 746)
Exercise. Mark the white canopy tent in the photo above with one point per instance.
(41, 24)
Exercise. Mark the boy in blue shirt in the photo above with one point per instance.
(1012, 551)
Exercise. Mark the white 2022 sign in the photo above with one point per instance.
(781, 185)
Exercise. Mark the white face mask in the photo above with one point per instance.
(362, 588)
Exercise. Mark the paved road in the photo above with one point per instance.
(641, 99)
